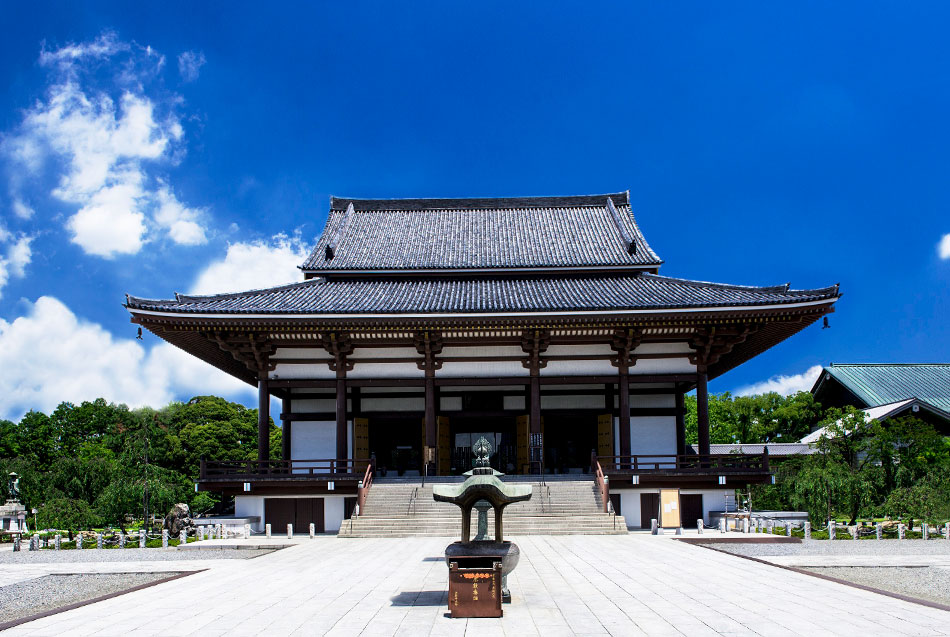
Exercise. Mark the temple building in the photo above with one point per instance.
(541, 323)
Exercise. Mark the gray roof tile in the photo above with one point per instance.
(451, 234)
(483, 295)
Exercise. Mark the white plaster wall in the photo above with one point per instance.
(392, 404)
(369, 391)
(653, 434)
(301, 352)
(664, 348)
(332, 513)
(662, 366)
(579, 368)
(250, 506)
(494, 350)
(312, 440)
(481, 370)
(652, 400)
(450, 403)
(384, 352)
(713, 500)
(287, 371)
(310, 405)
(593, 349)
(253, 505)
(385, 370)
(572, 402)
(471, 388)
(516, 403)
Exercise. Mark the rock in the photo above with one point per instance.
(178, 519)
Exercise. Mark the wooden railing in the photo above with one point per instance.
(601, 480)
(709, 463)
(367, 482)
(345, 468)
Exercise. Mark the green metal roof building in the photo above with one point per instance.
(871, 385)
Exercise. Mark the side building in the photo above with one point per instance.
(540, 323)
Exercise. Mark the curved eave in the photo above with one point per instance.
(364, 316)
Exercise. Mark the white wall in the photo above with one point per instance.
(713, 500)
(653, 434)
(368, 404)
(250, 506)
(663, 366)
(311, 440)
(253, 506)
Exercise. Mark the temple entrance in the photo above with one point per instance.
(394, 439)
(568, 441)
(498, 430)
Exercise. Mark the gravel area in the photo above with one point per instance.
(34, 596)
(126, 555)
(840, 547)
(932, 584)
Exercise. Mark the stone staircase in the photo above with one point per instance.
(405, 508)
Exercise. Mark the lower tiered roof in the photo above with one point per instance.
(497, 296)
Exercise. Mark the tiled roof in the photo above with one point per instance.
(880, 384)
(399, 295)
(883, 412)
(777, 449)
(451, 234)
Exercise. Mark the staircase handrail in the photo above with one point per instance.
(601, 481)
(367, 482)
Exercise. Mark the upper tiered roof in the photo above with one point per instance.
(420, 235)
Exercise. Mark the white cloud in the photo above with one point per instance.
(943, 248)
(111, 222)
(106, 143)
(49, 355)
(180, 221)
(22, 209)
(254, 265)
(785, 385)
(18, 256)
(189, 65)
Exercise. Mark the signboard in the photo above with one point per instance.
(669, 515)
(475, 592)
(605, 435)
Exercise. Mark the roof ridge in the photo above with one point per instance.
(888, 364)
(477, 203)
(732, 286)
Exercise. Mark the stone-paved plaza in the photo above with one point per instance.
(564, 585)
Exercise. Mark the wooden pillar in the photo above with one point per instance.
(702, 409)
(341, 433)
(431, 414)
(263, 419)
(680, 424)
(624, 423)
(535, 418)
(286, 428)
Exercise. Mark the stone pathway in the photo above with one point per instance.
(564, 585)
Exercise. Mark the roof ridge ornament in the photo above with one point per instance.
(631, 243)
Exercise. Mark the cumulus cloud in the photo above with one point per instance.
(106, 143)
(18, 255)
(21, 209)
(49, 355)
(785, 385)
(254, 265)
(943, 248)
(189, 65)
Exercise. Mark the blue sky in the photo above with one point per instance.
(185, 147)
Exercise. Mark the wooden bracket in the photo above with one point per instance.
(711, 343)
(429, 345)
(625, 342)
(533, 343)
(339, 347)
